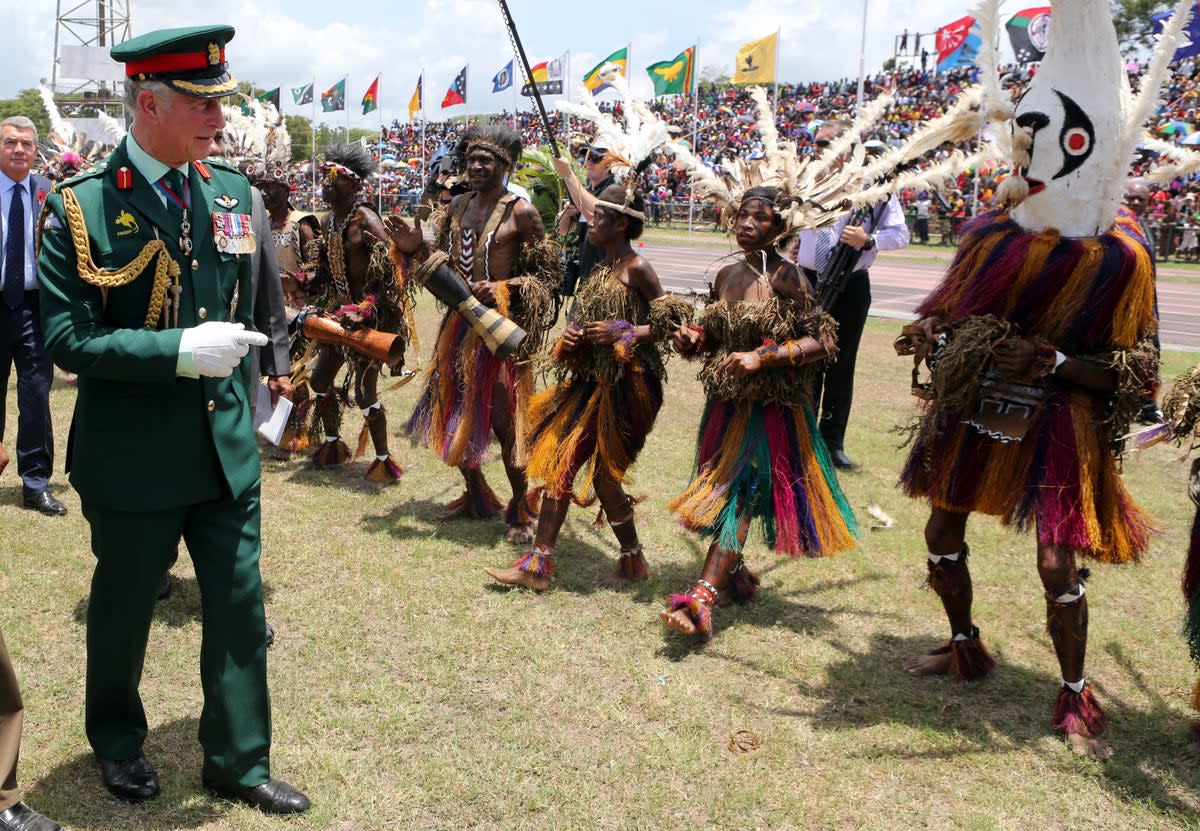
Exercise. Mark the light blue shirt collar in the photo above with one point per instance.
(146, 164)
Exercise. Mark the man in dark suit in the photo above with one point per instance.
(145, 271)
(21, 198)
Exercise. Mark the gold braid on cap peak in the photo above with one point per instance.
(491, 147)
(165, 269)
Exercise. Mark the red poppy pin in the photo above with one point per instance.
(41, 197)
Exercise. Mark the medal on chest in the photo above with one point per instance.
(233, 233)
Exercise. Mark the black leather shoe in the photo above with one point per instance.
(164, 590)
(272, 797)
(21, 817)
(270, 634)
(43, 502)
(841, 460)
(132, 780)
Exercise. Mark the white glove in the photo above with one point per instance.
(214, 349)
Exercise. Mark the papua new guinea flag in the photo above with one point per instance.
(1029, 31)
(958, 44)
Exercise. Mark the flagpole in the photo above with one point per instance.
(346, 86)
(695, 132)
(775, 74)
(862, 59)
(516, 92)
(312, 162)
(421, 110)
(378, 109)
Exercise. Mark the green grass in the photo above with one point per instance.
(410, 694)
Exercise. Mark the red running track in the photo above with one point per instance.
(899, 284)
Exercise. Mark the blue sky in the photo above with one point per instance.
(289, 43)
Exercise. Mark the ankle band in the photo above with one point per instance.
(936, 559)
(1075, 687)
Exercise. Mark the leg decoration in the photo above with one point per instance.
(533, 569)
(1076, 712)
(478, 501)
(383, 470)
(296, 438)
(696, 605)
(523, 510)
(743, 583)
(333, 451)
(632, 565)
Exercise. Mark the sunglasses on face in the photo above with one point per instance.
(593, 157)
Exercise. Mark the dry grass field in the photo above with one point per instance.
(409, 693)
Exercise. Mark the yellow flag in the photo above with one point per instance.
(756, 61)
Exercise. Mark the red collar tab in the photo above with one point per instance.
(204, 172)
(124, 178)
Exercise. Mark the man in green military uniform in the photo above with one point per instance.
(145, 272)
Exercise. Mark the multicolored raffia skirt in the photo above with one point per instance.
(453, 416)
(1061, 476)
(590, 422)
(769, 461)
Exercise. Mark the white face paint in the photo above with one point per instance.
(1075, 106)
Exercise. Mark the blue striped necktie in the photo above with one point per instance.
(14, 250)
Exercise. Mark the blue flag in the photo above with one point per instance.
(1192, 30)
(503, 79)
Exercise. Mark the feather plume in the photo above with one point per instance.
(996, 105)
(842, 144)
(938, 176)
(1158, 72)
(111, 126)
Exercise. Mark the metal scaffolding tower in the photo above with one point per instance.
(88, 23)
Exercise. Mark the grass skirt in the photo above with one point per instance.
(770, 461)
(1062, 477)
(589, 421)
(453, 416)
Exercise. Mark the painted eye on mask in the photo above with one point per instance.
(1076, 138)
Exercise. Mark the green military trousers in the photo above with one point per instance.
(133, 552)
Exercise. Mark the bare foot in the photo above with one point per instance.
(517, 577)
(936, 662)
(1089, 746)
(1189, 754)
(679, 620)
(519, 534)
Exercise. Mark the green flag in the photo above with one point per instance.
(271, 97)
(334, 98)
(302, 95)
(673, 77)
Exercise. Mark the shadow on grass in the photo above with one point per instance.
(180, 609)
(73, 794)
(14, 495)
(1005, 712)
(772, 607)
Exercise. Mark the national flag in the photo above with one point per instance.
(958, 44)
(370, 102)
(302, 95)
(599, 77)
(503, 79)
(271, 97)
(457, 94)
(415, 103)
(549, 76)
(1028, 31)
(755, 62)
(674, 77)
(334, 98)
(1192, 30)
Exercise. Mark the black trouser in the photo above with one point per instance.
(834, 388)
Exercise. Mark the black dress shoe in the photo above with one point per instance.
(21, 817)
(270, 634)
(43, 502)
(132, 780)
(841, 460)
(271, 797)
(165, 589)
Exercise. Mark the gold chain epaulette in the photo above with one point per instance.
(165, 268)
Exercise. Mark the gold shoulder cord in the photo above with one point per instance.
(165, 269)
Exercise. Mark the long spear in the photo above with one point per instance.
(537, 96)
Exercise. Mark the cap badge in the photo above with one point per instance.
(214, 54)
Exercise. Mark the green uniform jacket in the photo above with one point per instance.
(141, 438)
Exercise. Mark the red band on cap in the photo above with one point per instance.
(177, 62)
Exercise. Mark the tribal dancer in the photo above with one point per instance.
(1181, 409)
(610, 367)
(357, 284)
(759, 455)
(496, 242)
(1050, 302)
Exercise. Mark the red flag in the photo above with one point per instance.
(457, 94)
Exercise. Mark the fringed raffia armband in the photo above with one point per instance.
(667, 314)
(1181, 404)
(1045, 359)
(1136, 369)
